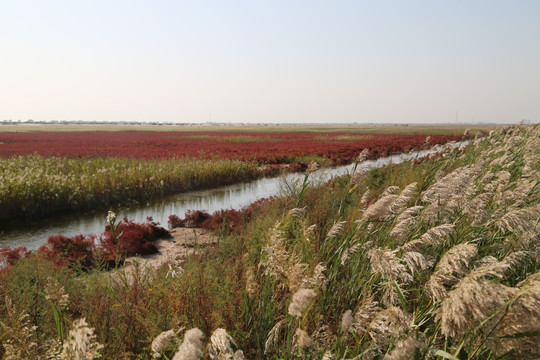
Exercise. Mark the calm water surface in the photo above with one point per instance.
(34, 234)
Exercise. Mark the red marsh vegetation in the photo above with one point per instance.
(262, 147)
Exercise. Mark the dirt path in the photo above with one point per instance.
(184, 242)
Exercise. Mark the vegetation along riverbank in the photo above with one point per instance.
(51, 172)
(431, 258)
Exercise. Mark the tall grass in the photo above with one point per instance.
(432, 258)
(32, 186)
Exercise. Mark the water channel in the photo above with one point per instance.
(34, 234)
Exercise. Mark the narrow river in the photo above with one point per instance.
(34, 234)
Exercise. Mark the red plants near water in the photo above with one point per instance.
(265, 148)
(65, 250)
(9, 256)
(229, 218)
(134, 238)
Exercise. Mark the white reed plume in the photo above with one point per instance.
(472, 301)
(404, 198)
(347, 320)
(328, 355)
(313, 166)
(388, 324)
(402, 229)
(275, 259)
(366, 198)
(317, 279)
(252, 286)
(450, 269)
(523, 317)
(175, 268)
(274, 336)
(300, 302)
(161, 342)
(191, 346)
(448, 190)
(408, 213)
(476, 208)
(295, 276)
(348, 252)
(365, 313)
(391, 190)
(308, 231)
(487, 260)
(301, 340)
(19, 337)
(405, 222)
(386, 263)
(406, 349)
(297, 212)
(415, 261)
(336, 230)
(323, 337)
(519, 221)
(362, 156)
(381, 209)
(80, 343)
(433, 237)
(221, 345)
(359, 174)
(111, 217)
(56, 294)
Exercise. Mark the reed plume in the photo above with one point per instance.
(161, 342)
(473, 300)
(388, 265)
(300, 301)
(20, 339)
(317, 280)
(297, 212)
(450, 268)
(336, 230)
(80, 343)
(347, 321)
(56, 294)
(523, 318)
(348, 252)
(433, 237)
(381, 209)
(406, 349)
(274, 336)
(221, 345)
(365, 313)
(191, 347)
(301, 340)
(391, 190)
(388, 324)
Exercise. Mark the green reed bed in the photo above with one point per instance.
(32, 186)
(430, 259)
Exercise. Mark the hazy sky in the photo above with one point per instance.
(270, 61)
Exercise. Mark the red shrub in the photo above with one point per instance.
(192, 219)
(9, 256)
(135, 239)
(64, 250)
(231, 218)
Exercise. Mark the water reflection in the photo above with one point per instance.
(34, 234)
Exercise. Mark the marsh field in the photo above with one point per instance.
(433, 258)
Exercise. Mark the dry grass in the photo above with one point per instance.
(434, 129)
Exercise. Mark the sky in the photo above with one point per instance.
(280, 61)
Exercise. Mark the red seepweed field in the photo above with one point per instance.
(263, 147)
